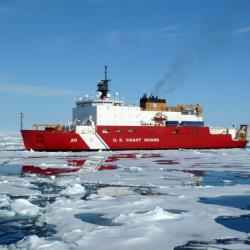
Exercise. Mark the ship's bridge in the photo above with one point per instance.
(86, 103)
(88, 109)
(152, 111)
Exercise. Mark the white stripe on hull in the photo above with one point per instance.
(103, 142)
(94, 141)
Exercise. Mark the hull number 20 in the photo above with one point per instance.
(73, 140)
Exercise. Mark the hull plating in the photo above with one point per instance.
(127, 137)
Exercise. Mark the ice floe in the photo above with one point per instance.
(74, 189)
(24, 208)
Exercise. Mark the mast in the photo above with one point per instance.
(21, 120)
(106, 72)
(102, 86)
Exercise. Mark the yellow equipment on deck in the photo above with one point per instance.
(185, 108)
(57, 127)
(242, 133)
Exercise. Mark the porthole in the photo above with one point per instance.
(176, 131)
(131, 130)
(105, 131)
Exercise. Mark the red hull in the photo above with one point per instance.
(45, 140)
(128, 137)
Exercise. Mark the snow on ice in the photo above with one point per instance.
(123, 200)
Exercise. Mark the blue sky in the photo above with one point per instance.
(189, 51)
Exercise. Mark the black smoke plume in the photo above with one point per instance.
(209, 41)
(174, 78)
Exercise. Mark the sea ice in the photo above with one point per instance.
(6, 214)
(24, 208)
(74, 189)
(147, 202)
(114, 191)
(157, 214)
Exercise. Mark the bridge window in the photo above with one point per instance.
(119, 131)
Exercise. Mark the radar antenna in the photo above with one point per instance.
(102, 86)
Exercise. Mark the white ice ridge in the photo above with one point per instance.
(25, 208)
(20, 207)
(157, 214)
(74, 189)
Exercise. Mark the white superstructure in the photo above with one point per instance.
(113, 112)
(152, 111)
